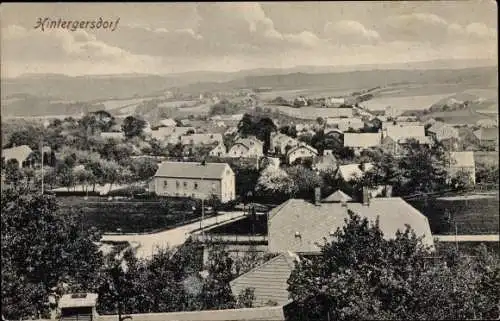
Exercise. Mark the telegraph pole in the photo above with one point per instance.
(43, 173)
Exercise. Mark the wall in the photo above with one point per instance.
(206, 187)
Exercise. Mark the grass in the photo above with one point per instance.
(478, 216)
(404, 103)
(129, 216)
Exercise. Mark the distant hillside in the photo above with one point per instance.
(482, 77)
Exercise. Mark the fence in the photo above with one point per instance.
(228, 238)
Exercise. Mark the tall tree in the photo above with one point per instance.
(133, 126)
(41, 249)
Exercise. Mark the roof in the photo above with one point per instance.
(362, 140)
(191, 170)
(269, 313)
(350, 171)
(19, 152)
(314, 222)
(443, 131)
(168, 122)
(208, 138)
(462, 159)
(269, 280)
(280, 138)
(168, 131)
(248, 142)
(338, 196)
(487, 134)
(399, 131)
(67, 301)
(302, 145)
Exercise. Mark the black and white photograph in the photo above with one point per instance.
(244, 161)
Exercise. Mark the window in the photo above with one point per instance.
(193, 195)
(177, 184)
(195, 185)
(185, 184)
(176, 194)
(165, 184)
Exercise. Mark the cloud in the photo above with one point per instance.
(350, 32)
(431, 28)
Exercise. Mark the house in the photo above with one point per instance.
(397, 132)
(345, 123)
(202, 139)
(269, 281)
(462, 162)
(118, 136)
(19, 153)
(326, 162)
(171, 135)
(218, 151)
(281, 143)
(78, 306)
(487, 137)
(397, 146)
(196, 180)
(399, 123)
(350, 172)
(362, 140)
(441, 131)
(246, 147)
(301, 151)
(487, 123)
(299, 226)
(334, 102)
(445, 134)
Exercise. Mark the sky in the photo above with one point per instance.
(165, 38)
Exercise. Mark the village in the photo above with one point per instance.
(256, 186)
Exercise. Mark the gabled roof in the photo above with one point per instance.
(363, 140)
(192, 170)
(269, 280)
(314, 222)
(462, 159)
(19, 152)
(490, 134)
(337, 197)
(300, 146)
(350, 171)
(397, 132)
(248, 142)
(443, 131)
(168, 131)
(344, 121)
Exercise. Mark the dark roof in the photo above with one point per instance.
(269, 280)
(192, 170)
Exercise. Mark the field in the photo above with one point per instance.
(128, 216)
(309, 113)
(477, 216)
(309, 93)
(403, 103)
(120, 103)
(178, 103)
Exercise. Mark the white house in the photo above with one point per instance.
(301, 151)
(196, 180)
(246, 147)
(19, 153)
(218, 151)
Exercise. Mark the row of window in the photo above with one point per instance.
(185, 184)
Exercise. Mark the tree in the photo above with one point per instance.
(361, 275)
(246, 125)
(275, 183)
(305, 181)
(41, 250)
(133, 126)
(144, 168)
(13, 174)
(216, 293)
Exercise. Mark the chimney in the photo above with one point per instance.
(366, 196)
(317, 196)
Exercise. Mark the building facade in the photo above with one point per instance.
(196, 180)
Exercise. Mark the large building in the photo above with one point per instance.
(299, 226)
(196, 180)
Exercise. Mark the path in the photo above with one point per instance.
(468, 238)
(146, 244)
